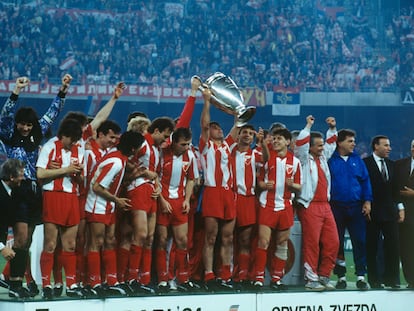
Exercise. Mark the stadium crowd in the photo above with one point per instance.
(258, 43)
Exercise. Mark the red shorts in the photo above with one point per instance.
(61, 208)
(106, 219)
(141, 198)
(176, 218)
(82, 202)
(219, 202)
(280, 220)
(246, 210)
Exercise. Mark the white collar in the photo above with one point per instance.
(7, 187)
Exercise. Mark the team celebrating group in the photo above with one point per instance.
(123, 211)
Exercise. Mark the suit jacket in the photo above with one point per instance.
(383, 206)
(402, 177)
(8, 208)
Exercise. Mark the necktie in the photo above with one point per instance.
(383, 170)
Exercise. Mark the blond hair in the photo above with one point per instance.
(139, 124)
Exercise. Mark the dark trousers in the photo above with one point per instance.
(352, 219)
(390, 252)
(407, 251)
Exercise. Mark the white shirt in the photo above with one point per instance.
(378, 160)
(7, 188)
(412, 166)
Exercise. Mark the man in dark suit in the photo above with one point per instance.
(11, 176)
(404, 186)
(384, 217)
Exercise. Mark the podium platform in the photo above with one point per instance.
(294, 299)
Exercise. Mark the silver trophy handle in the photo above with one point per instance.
(226, 96)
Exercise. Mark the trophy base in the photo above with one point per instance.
(245, 115)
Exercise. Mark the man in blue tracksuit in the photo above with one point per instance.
(351, 197)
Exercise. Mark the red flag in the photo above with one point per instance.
(179, 62)
(67, 63)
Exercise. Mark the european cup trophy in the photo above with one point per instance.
(226, 96)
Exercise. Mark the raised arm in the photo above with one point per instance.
(303, 140)
(21, 83)
(331, 136)
(234, 131)
(205, 115)
(10, 107)
(106, 110)
(57, 105)
(260, 139)
(187, 113)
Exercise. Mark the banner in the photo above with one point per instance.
(252, 96)
(294, 300)
(407, 96)
(284, 101)
(378, 300)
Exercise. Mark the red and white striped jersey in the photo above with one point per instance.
(148, 157)
(108, 173)
(197, 154)
(175, 171)
(216, 164)
(53, 150)
(92, 157)
(279, 169)
(245, 165)
(87, 135)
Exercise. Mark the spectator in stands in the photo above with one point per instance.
(248, 54)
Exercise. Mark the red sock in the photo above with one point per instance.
(278, 269)
(161, 262)
(103, 272)
(208, 276)
(80, 265)
(94, 268)
(145, 277)
(225, 272)
(182, 265)
(57, 266)
(109, 262)
(122, 261)
(28, 272)
(69, 264)
(260, 264)
(218, 262)
(195, 262)
(46, 266)
(244, 260)
(135, 257)
(6, 270)
(172, 260)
